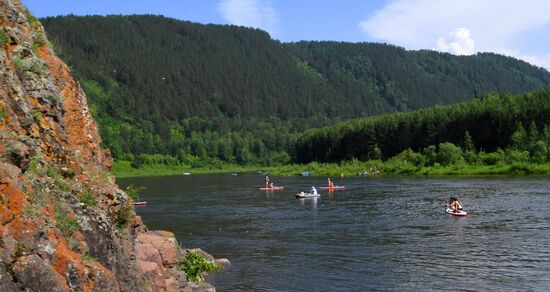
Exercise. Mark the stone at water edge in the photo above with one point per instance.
(223, 262)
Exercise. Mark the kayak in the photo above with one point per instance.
(459, 213)
(333, 188)
(307, 195)
(140, 203)
(272, 189)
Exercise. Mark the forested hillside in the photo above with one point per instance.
(416, 79)
(201, 94)
(486, 124)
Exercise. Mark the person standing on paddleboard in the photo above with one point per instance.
(330, 183)
(267, 181)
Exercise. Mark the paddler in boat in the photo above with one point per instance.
(271, 186)
(313, 190)
(455, 205)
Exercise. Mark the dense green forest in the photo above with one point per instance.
(416, 79)
(489, 124)
(175, 92)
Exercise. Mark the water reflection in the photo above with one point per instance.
(308, 201)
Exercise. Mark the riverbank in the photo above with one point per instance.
(348, 168)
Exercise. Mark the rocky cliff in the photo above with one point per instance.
(64, 224)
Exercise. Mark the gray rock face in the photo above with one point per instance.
(33, 272)
(6, 282)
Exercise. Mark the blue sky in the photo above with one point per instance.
(514, 28)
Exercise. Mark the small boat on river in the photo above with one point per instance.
(140, 203)
(272, 188)
(307, 195)
(333, 188)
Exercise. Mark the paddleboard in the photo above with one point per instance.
(140, 203)
(333, 188)
(272, 189)
(459, 213)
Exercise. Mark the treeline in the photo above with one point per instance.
(200, 142)
(169, 90)
(488, 124)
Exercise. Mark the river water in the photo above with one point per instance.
(378, 234)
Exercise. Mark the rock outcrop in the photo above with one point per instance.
(64, 224)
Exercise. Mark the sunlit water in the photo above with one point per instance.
(378, 234)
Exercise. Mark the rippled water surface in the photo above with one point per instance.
(378, 234)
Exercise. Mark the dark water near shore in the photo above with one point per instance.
(378, 234)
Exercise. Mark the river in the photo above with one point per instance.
(377, 234)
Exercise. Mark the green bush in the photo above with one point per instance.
(62, 221)
(539, 152)
(133, 191)
(123, 217)
(87, 198)
(449, 154)
(399, 166)
(514, 155)
(520, 168)
(57, 179)
(31, 19)
(375, 154)
(430, 154)
(417, 159)
(494, 158)
(88, 258)
(194, 264)
(3, 113)
(471, 157)
(37, 115)
(4, 38)
(34, 65)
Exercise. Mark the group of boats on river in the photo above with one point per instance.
(269, 186)
(453, 205)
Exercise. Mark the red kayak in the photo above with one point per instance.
(272, 189)
(333, 188)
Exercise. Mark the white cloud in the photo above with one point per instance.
(495, 24)
(251, 13)
(460, 43)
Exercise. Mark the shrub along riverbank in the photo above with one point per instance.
(445, 159)
(528, 153)
(349, 168)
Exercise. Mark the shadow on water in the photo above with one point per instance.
(377, 234)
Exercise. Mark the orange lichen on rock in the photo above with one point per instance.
(12, 202)
(81, 131)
